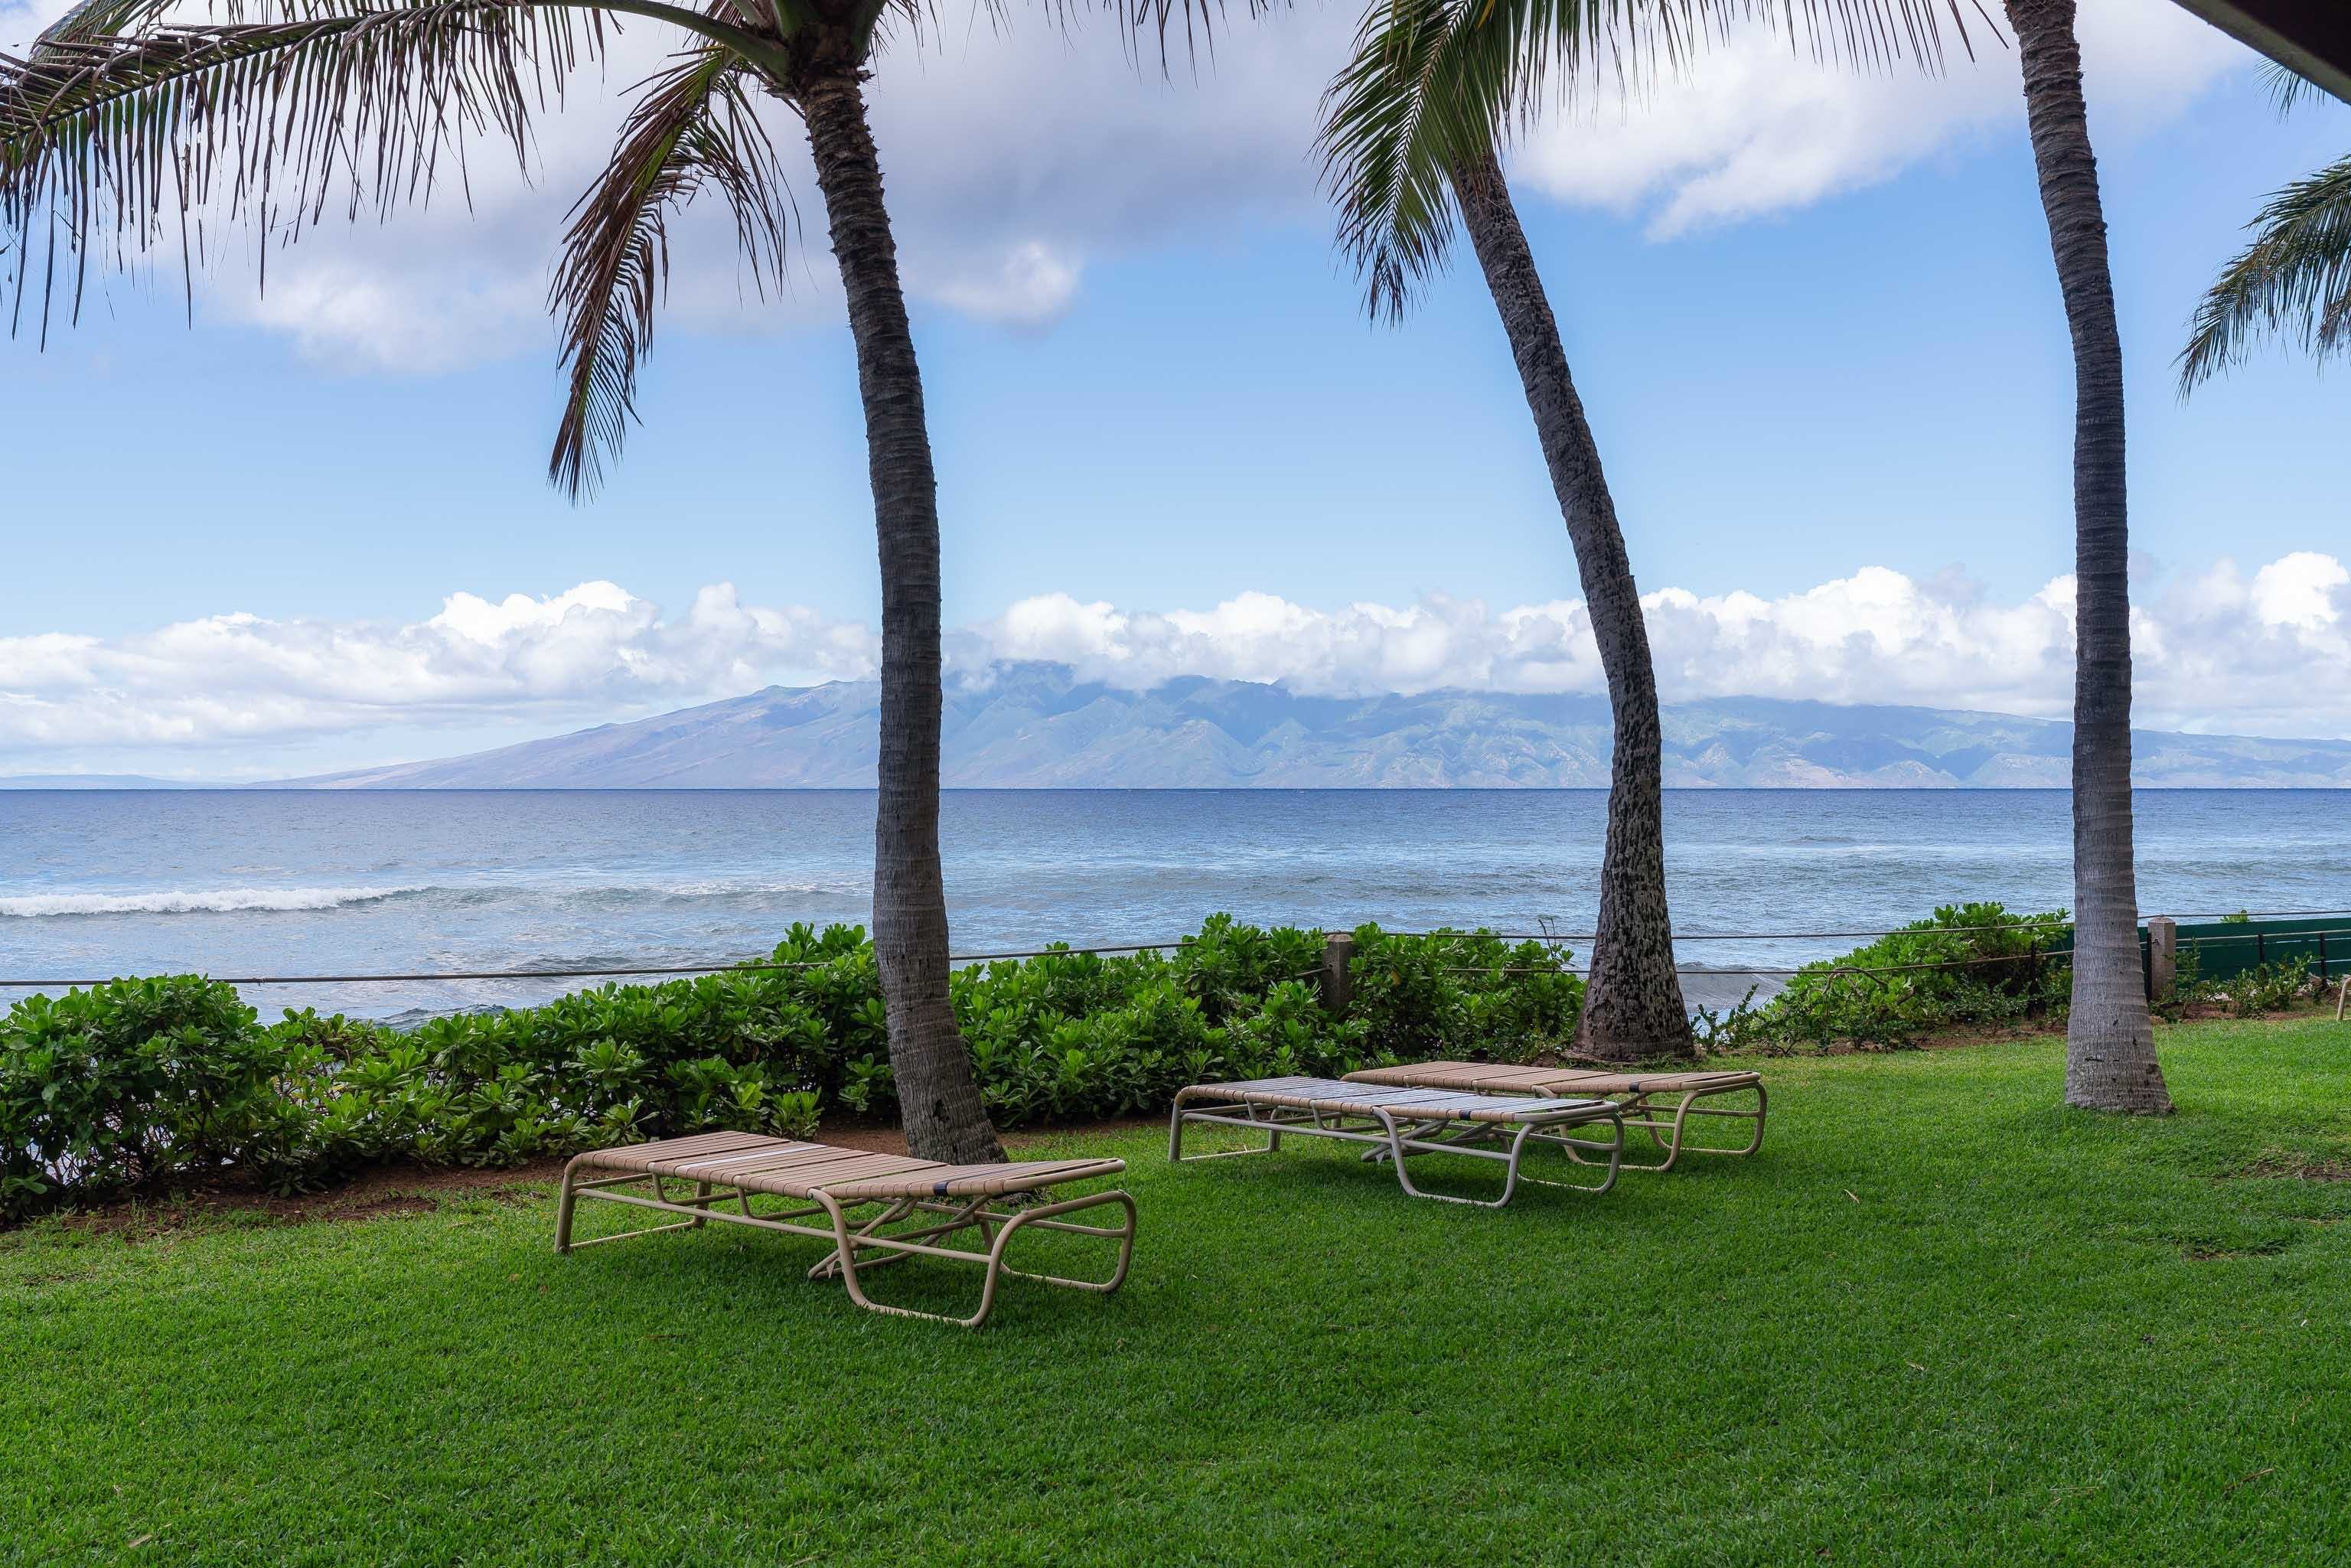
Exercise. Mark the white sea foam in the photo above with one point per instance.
(200, 900)
(744, 887)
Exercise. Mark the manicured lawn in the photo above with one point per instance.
(1939, 1319)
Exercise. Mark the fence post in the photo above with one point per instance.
(2162, 957)
(1338, 951)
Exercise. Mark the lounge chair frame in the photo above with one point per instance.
(1397, 1125)
(859, 1225)
(1662, 1104)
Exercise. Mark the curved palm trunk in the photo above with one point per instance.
(944, 1118)
(2109, 1040)
(1633, 1007)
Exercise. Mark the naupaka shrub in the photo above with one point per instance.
(131, 1084)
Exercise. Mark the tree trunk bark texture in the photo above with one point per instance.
(2110, 1062)
(1633, 1006)
(938, 1097)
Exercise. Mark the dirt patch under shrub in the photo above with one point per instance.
(392, 1190)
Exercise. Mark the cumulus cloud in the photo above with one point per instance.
(1018, 154)
(2221, 651)
(1754, 128)
(586, 654)
(2217, 653)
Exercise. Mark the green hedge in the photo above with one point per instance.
(1989, 967)
(131, 1084)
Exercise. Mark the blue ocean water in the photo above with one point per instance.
(95, 884)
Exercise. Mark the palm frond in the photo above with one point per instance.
(91, 19)
(2293, 282)
(275, 115)
(1435, 85)
(122, 119)
(695, 127)
(1389, 144)
(2288, 89)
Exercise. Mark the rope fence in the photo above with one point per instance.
(730, 966)
(722, 966)
(2035, 956)
(1906, 931)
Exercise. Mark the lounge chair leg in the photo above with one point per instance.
(1673, 1148)
(1642, 1112)
(701, 1197)
(891, 1216)
(1614, 1148)
(1682, 1113)
(996, 1268)
(1176, 1124)
(1404, 1177)
(846, 1242)
(564, 1207)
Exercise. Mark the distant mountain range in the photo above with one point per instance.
(1037, 726)
(95, 781)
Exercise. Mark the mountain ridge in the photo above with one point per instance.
(1040, 727)
(98, 781)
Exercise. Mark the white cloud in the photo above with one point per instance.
(2217, 652)
(1030, 286)
(579, 657)
(1016, 155)
(2300, 591)
(2213, 653)
(1756, 127)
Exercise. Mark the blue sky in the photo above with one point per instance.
(1872, 375)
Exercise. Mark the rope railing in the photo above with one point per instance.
(1903, 931)
(603, 971)
(676, 970)
(628, 971)
(2037, 956)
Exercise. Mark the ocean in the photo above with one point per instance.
(102, 882)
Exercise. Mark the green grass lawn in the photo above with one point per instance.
(1939, 1319)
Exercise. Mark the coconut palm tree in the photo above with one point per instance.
(2110, 1062)
(2293, 281)
(1412, 131)
(129, 116)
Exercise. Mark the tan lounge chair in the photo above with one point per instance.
(1659, 1104)
(1401, 1123)
(831, 1183)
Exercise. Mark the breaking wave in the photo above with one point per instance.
(201, 900)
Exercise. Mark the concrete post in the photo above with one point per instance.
(2162, 955)
(1338, 951)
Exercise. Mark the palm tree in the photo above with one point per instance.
(125, 117)
(2293, 281)
(1413, 130)
(2110, 1040)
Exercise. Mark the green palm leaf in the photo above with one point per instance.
(2288, 89)
(121, 118)
(694, 129)
(1435, 85)
(273, 118)
(2293, 282)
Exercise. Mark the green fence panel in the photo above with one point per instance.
(2225, 949)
